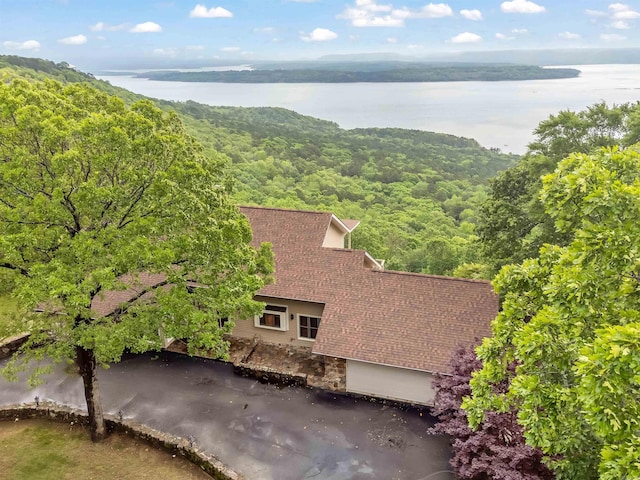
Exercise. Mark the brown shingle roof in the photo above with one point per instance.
(106, 303)
(393, 318)
(407, 320)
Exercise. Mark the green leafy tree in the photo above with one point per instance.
(96, 197)
(513, 224)
(570, 320)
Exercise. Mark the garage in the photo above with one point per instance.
(394, 383)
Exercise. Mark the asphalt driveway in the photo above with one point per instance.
(261, 431)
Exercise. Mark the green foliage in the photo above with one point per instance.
(570, 320)
(417, 193)
(609, 389)
(91, 194)
(512, 224)
(40, 69)
(395, 72)
(584, 131)
(477, 271)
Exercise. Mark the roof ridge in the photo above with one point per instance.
(279, 209)
(437, 277)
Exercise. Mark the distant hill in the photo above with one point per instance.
(417, 193)
(378, 72)
(569, 56)
(557, 56)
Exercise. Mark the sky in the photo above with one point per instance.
(94, 32)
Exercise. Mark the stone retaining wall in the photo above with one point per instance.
(10, 345)
(171, 443)
(271, 375)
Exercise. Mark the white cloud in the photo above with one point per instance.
(502, 36)
(466, 37)
(166, 52)
(620, 25)
(521, 6)
(105, 27)
(230, 49)
(626, 15)
(392, 40)
(618, 7)
(201, 11)
(320, 35)
(413, 46)
(195, 48)
(433, 10)
(569, 35)
(74, 40)
(146, 27)
(595, 13)
(26, 45)
(619, 15)
(471, 14)
(368, 13)
(519, 31)
(302, 1)
(620, 11)
(612, 37)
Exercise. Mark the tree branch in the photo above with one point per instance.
(10, 266)
(138, 196)
(125, 307)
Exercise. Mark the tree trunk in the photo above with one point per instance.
(86, 361)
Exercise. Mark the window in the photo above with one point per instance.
(274, 316)
(308, 327)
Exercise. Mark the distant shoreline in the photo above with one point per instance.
(412, 73)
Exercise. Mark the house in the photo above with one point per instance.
(388, 331)
(393, 330)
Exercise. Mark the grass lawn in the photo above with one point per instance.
(39, 450)
(7, 306)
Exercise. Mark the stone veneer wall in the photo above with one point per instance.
(155, 438)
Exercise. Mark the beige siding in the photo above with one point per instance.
(247, 329)
(390, 382)
(334, 237)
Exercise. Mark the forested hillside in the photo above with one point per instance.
(397, 72)
(417, 193)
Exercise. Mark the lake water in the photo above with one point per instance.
(497, 114)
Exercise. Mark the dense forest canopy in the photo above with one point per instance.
(417, 193)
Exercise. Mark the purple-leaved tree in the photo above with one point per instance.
(496, 450)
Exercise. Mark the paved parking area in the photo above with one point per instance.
(261, 431)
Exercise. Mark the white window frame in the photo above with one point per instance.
(284, 325)
(298, 326)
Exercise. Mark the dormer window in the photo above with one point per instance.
(274, 317)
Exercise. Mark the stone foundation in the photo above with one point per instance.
(287, 364)
(171, 443)
(334, 377)
(282, 364)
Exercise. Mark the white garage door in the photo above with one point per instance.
(389, 382)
